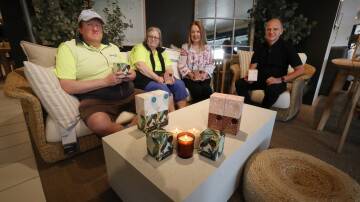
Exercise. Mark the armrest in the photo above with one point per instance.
(309, 71)
(235, 69)
(17, 87)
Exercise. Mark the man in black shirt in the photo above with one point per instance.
(272, 60)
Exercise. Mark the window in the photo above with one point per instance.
(227, 23)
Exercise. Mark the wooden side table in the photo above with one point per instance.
(5, 66)
(346, 67)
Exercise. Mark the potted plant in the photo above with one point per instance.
(56, 21)
(296, 26)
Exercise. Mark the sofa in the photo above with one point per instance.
(43, 121)
(288, 104)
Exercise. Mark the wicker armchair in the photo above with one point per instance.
(16, 86)
(295, 87)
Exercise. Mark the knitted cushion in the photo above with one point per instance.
(244, 61)
(288, 175)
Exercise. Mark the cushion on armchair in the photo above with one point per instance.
(38, 54)
(61, 106)
(174, 56)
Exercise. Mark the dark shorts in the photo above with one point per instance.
(113, 108)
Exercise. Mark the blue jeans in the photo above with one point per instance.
(178, 89)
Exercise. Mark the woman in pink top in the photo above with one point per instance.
(196, 64)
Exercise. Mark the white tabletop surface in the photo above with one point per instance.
(177, 177)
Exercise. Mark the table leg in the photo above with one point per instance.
(350, 115)
(338, 84)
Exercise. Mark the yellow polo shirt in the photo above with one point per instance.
(140, 54)
(79, 61)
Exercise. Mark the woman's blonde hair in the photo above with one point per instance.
(150, 29)
(202, 33)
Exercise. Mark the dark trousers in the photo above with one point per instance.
(272, 92)
(199, 90)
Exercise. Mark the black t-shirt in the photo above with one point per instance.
(274, 60)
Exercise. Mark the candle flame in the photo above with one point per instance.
(186, 138)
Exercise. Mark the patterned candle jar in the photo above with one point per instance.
(211, 143)
(159, 144)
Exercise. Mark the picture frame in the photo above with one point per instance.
(356, 54)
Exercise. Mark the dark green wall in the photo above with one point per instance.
(172, 17)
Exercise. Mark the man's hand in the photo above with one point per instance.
(246, 79)
(130, 76)
(272, 80)
(112, 79)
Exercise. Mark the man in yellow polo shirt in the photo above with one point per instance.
(84, 67)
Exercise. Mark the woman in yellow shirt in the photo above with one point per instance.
(154, 70)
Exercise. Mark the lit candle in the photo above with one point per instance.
(196, 133)
(185, 145)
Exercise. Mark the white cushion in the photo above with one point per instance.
(53, 133)
(61, 106)
(303, 59)
(282, 102)
(125, 117)
(41, 55)
(125, 55)
(174, 56)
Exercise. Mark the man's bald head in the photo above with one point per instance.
(273, 30)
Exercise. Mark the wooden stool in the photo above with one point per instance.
(346, 67)
(288, 175)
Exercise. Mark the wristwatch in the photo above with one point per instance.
(283, 79)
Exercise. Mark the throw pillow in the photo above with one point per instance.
(61, 106)
(174, 56)
(41, 55)
(244, 61)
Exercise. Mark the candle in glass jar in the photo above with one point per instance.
(185, 145)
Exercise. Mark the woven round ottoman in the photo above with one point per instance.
(288, 175)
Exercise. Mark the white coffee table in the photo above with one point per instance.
(135, 176)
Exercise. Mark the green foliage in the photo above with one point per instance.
(116, 23)
(296, 26)
(55, 21)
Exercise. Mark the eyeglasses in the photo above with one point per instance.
(153, 37)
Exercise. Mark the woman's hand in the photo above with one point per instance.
(203, 75)
(169, 78)
(159, 79)
(183, 52)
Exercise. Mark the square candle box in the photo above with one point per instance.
(232, 115)
(216, 111)
(211, 143)
(225, 112)
(159, 144)
(121, 67)
(152, 110)
(252, 75)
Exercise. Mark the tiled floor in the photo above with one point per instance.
(19, 175)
